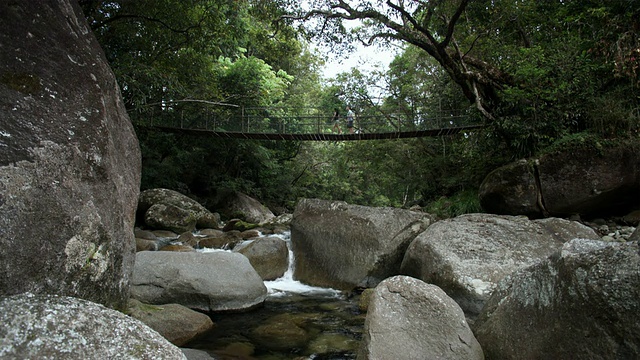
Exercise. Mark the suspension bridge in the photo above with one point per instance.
(311, 124)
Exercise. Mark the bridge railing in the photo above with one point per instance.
(290, 120)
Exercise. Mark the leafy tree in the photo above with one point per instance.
(530, 67)
(250, 81)
(537, 71)
(428, 25)
(200, 61)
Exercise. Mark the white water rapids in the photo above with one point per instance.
(286, 285)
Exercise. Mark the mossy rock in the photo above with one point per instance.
(244, 226)
(365, 298)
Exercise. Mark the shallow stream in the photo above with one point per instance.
(297, 321)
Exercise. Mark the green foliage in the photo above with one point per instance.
(464, 202)
(560, 56)
(168, 51)
(573, 141)
(249, 81)
(614, 115)
(528, 66)
(552, 74)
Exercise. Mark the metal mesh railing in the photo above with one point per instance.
(281, 120)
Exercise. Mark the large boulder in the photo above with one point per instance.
(186, 211)
(70, 163)
(170, 217)
(345, 246)
(581, 303)
(410, 319)
(174, 322)
(588, 181)
(216, 281)
(591, 181)
(60, 327)
(226, 241)
(268, 255)
(238, 205)
(468, 255)
(512, 190)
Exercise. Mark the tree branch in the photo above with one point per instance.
(146, 18)
(453, 21)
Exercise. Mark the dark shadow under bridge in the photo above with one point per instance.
(310, 124)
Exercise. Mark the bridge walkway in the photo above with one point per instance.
(307, 124)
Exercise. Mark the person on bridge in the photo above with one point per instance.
(350, 117)
(336, 121)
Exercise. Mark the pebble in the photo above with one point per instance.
(611, 231)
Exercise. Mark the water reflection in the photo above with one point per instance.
(288, 326)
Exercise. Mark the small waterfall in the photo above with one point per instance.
(287, 285)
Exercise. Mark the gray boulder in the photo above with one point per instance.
(211, 232)
(409, 319)
(468, 255)
(242, 206)
(146, 245)
(226, 241)
(174, 322)
(166, 234)
(344, 246)
(581, 303)
(193, 211)
(70, 162)
(268, 255)
(217, 281)
(60, 327)
(512, 190)
(144, 234)
(591, 181)
(587, 181)
(170, 217)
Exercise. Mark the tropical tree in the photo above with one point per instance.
(536, 70)
(428, 25)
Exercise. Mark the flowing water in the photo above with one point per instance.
(297, 321)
